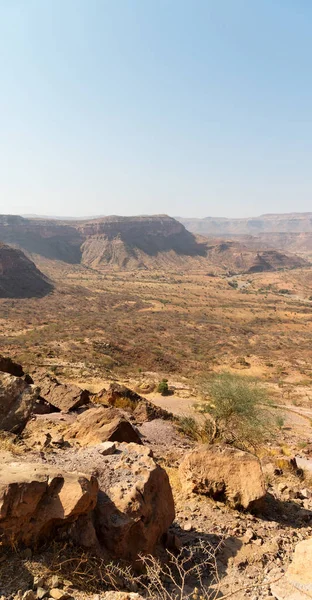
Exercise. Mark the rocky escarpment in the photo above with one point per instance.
(51, 239)
(19, 276)
(142, 242)
(132, 242)
(282, 223)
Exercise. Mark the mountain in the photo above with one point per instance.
(140, 242)
(269, 223)
(299, 243)
(236, 257)
(19, 277)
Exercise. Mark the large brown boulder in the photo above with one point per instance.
(17, 400)
(224, 473)
(101, 424)
(35, 499)
(135, 505)
(297, 582)
(62, 396)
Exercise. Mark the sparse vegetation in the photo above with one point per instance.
(239, 407)
(163, 387)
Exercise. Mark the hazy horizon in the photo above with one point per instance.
(135, 107)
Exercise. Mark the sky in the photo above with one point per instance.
(191, 108)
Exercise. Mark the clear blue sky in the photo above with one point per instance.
(191, 108)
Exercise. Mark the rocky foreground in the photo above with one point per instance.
(92, 481)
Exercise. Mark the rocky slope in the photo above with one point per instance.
(276, 223)
(235, 257)
(19, 277)
(297, 243)
(130, 243)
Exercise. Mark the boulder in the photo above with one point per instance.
(61, 396)
(297, 582)
(35, 499)
(135, 505)
(122, 397)
(7, 365)
(225, 474)
(101, 424)
(17, 399)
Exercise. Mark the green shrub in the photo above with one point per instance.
(163, 387)
(239, 407)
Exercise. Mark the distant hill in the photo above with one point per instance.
(270, 223)
(139, 242)
(19, 276)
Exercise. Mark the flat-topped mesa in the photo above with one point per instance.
(269, 223)
(153, 242)
(19, 276)
(136, 225)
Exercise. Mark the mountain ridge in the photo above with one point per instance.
(19, 276)
(138, 242)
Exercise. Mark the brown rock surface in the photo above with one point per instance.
(34, 499)
(135, 504)
(47, 430)
(297, 583)
(101, 424)
(143, 410)
(63, 396)
(17, 399)
(223, 473)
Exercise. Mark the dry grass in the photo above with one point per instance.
(170, 323)
(10, 443)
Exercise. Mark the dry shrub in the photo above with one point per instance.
(10, 443)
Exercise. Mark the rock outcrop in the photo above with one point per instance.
(135, 505)
(17, 401)
(61, 396)
(101, 424)
(19, 276)
(297, 582)
(142, 410)
(223, 473)
(122, 503)
(35, 499)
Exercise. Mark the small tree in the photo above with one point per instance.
(163, 387)
(239, 407)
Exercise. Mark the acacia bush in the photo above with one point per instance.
(163, 387)
(240, 408)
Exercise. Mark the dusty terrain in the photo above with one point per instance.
(138, 327)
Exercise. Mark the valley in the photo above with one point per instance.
(131, 304)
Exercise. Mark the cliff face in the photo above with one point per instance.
(19, 277)
(283, 223)
(51, 239)
(144, 242)
(138, 242)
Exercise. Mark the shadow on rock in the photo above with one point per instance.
(285, 512)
